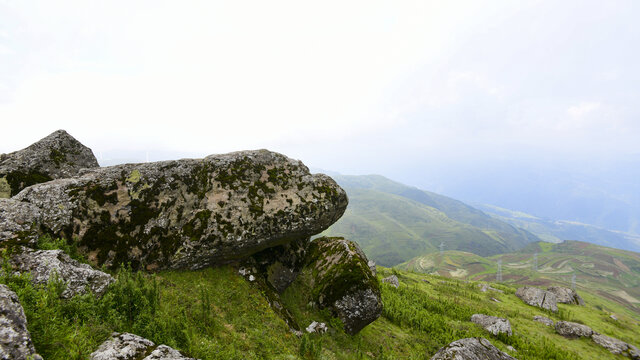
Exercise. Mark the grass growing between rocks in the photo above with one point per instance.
(217, 314)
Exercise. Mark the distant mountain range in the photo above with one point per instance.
(393, 222)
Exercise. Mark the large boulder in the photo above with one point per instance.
(538, 297)
(127, 346)
(616, 346)
(565, 295)
(57, 156)
(15, 340)
(188, 213)
(492, 324)
(573, 330)
(19, 223)
(471, 349)
(43, 264)
(343, 282)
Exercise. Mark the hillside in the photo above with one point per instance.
(217, 314)
(600, 271)
(557, 231)
(393, 222)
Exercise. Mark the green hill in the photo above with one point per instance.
(216, 314)
(600, 271)
(393, 222)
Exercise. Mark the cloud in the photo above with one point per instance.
(583, 109)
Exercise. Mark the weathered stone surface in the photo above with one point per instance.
(486, 287)
(492, 324)
(43, 264)
(281, 264)
(544, 320)
(392, 280)
(317, 327)
(614, 345)
(188, 213)
(56, 156)
(471, 349)
(372, 267)
(127, 346)
(538, 297)
(573, 330)
(19, 222)
(15, 340)
(343, 282)
(565, 295)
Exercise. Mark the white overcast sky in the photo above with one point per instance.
(352, 86)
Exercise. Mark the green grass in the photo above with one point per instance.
(216, 314)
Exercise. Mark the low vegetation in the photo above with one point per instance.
(216, 314)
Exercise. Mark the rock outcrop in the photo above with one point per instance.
(127, 346)
(486, 287)
(471, 349)
(538, 297)
(616, 346)
(19, 223)
(492, 324)
(565, 295)
(392, 280)
(15, 340)
(189, 213)
(43, 264)
(544, 320)
(343, 282)
(56, 156)
(280, 265)
(573, 330)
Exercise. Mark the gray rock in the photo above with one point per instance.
(189, 213)
(573, 330)
(544, 320)
(43, 264)
(56, 156)
(127, 346)
(538, 297)
(392, 280)
(614, 345)
(343, 282)
(15, 340)
(485, 288)
(280, 265)
(317, 327)
(511, 348)
(565, 295)
(471, 349)
(613, 317)
(372, 267)
(492, 324)
(19, 222)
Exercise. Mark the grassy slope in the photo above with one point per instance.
(233, 321)
(393, 222)
(600, 271)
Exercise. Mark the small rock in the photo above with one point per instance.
(485, 287)
(15, 340)
(252, 278)
(392, 280)
(317, 327)
(127, 346)
(613, 317)
(538, 297)
(492, 324)
(614, 345)
(372, 266)
(544, 320)
(566, 296)
(511, 348)
(43, 264)
(496, 300)
(573, 330)
(244, 272)
(471, 349)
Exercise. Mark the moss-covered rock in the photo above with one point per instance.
(188, 213)
(343, 282)
(56, 156)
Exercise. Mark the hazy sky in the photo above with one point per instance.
(356, 87)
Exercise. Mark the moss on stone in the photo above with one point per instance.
(58, 157)
(5, 188)
(134, 176)
(19, 180)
